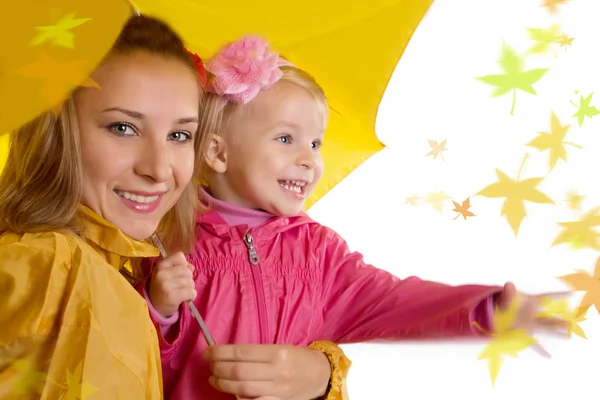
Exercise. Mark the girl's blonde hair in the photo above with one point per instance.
(214, 117)
(41, 184)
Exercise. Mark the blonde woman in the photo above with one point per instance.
(79, 195)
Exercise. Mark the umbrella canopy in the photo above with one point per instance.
(351, 49)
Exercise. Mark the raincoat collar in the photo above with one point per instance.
(109, 238)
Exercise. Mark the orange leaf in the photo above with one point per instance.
(436, 148)
(463, 209)
(583, 281)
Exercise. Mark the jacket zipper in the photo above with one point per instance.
(259, 289)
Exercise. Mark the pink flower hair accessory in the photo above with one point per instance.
(243, 68)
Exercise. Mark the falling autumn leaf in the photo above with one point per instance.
(59, 34)
(551, 5)
(506, 341)
(413, 200)
(76, 389)
(553, 141)
(58, 76)
(581, 234)
(463, 209)
(565, 41)
(514, 77)
(585, 110)
(583, 281)
(574, 201)
(28, 379)
(436, 148)
(544, 38)
(560, 309)
(436, 200)
(516, 193)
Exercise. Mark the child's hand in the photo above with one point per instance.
(268, 371)
(528, 317)
(171, 284)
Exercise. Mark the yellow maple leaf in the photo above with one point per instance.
(552, 5)
(436, 148)
(59, 34)
(436, 200)
(516, 193)
(59, 77)
(544, 38)
(560, 309)
(553, 141)
(565, 41)
(505, 340)
(574, 200)
(413, 200)
(28, 380)
(581, 233)
(76, 389)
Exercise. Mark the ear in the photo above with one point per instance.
(216, 154)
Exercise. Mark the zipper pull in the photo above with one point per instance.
(254, 259)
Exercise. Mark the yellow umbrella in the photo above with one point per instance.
(350, 48)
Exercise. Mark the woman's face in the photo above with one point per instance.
(137, 135)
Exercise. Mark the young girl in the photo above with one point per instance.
(264, 271)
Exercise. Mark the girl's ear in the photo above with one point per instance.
(216, 154)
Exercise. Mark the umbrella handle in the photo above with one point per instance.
(133, 9)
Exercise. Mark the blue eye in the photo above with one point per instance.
(285, 139)
(180, 136)
(121, 128)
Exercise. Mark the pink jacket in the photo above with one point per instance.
(291, 280)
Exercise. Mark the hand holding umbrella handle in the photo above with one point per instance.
(190, 304)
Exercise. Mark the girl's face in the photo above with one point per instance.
(137, 136)
(272, 151)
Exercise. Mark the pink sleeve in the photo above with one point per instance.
(361, 302)
(164, 323)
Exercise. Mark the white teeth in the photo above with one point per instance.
(136, 197)
(291, 188)
(295, 183)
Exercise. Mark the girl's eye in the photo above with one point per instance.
(121, 128)
(285, 139)
(180, 136)
(316, 144)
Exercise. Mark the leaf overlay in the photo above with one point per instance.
(561, 310)
(590, 284)
(436, 200)
(585, 109)
(553, 141)
(516, 193)
(514, 77)
(505, 341)
(581, 234)
(436, 148)
(59, 34)
(463, 209)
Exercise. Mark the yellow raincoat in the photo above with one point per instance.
(71, 326)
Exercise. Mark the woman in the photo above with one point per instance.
(79, 194)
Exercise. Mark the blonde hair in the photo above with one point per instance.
(214, 117)
(41, 184)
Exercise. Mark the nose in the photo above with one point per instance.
(307, 158)
(154, 160)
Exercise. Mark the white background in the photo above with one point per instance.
(434, 95)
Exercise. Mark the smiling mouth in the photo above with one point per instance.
(136, 198)
(298, 187)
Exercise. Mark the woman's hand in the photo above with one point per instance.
(267, 371)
